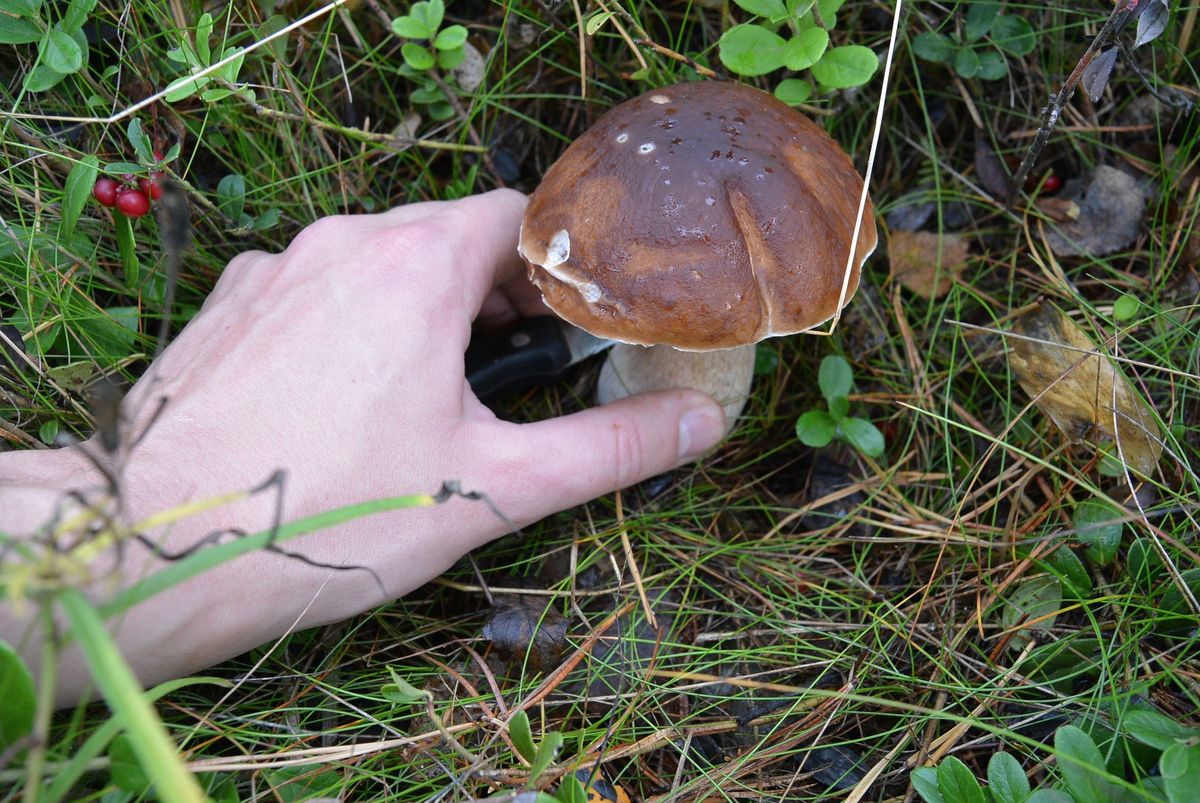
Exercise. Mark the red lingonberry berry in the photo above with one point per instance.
(105, 191)
(1052, 183)
(152, 186)
(133, 203)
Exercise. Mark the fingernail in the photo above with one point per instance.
(700, 429)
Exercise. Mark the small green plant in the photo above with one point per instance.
(1086, 776)
(216, 85)
(62, 45)
(429, 47)
(817, 428)
(758, 48)
(968, 53)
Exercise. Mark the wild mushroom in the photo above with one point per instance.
(692, 222)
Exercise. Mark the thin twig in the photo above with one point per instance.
(1054, 108)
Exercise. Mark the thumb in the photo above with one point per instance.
(570, 460)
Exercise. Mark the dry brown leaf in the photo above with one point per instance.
(1060, 210)
(1078, 385)
(914, 257)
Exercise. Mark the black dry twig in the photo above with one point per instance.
(1120, 16)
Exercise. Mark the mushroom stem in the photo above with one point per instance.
(725, 375)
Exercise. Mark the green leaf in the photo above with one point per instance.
(863, 435)
(231, 195)
(925, 781)
(1014, 35)
(183, 88)
(47, 434)
(451, 38)
(21, 8)
(570, 790)
(839, 407)
(846, 66)
(966, 62)
(232, 69)
(426, 94)
(416, 56)
(1181, 773)
(266, 220)
(61, 53)
(1082, 766)
(1174, 761)
(429, 14)
(449, 59)
(980, 18)
(596, 22)
(771, 9)
(17, 692)
(76, 192)
(1157, 730)
(41, 78)
(1143, 564)
(216, 94)
(1070, 569)
(400, 691)
(278, 46)
(140, 141)
(816, 428)
(204, 29)
(835, 377)
(77, 13)
(1126, 307)
(547, 750)
(933, 46)
(1099, 525)
(1006, 779)
(793, 91)
(805, 49)
(119, 169)
(957, 783)
(16, 31)
(751, 50)
(992, 65)
(410, 28)
(521, 735)
(123, 767)
(1035, 598)
(1049, 796)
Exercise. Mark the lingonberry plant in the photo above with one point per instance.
(818, 428)
(429, 48)
(760, 47)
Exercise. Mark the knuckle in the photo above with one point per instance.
(320, 235)
(629, 453)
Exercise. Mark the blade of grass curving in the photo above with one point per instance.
(132, 710)
(205, 559)
(66, 774)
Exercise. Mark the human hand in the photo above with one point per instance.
(340, 361)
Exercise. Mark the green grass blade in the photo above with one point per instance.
(128, 702)
(205, 559)
(68, 773)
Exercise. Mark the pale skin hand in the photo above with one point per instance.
(341, 362)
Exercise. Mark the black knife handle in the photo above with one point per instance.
(528, 354)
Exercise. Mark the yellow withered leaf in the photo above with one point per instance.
(1081, 388)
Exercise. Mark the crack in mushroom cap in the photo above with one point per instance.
(703, 216)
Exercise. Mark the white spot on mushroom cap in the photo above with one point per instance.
(559, 249)
(646, 147)
(660, 99)
(710, 200)
(623, 136)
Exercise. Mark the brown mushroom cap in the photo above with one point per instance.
(702, 216)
